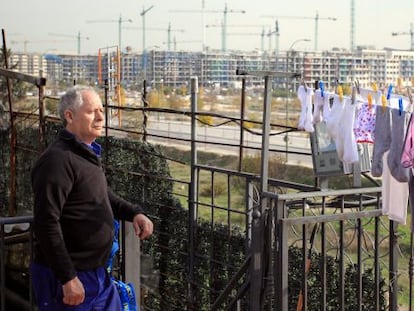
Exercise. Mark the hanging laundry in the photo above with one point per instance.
(305, 120)
(365, 123)
(345, 141)
(391, 123)
(382, 133)
(332, 120)
(399, 123)
(367, 101)
(394, 194)
(411, 198)
(407, 156)
(318, 107)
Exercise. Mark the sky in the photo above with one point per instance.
(52, 26)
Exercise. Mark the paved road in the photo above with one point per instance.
(171, 130)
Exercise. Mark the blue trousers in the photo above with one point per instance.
(100, 293)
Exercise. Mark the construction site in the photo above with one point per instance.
(228, 237)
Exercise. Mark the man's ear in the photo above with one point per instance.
(68, 116)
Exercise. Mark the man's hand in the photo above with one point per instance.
(143, 226)
(73, 292)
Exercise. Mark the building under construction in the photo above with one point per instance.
(217, 68)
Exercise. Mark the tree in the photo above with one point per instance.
(156, 99)
(19, 88)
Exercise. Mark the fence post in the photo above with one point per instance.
(393, 274)
(13, 135)
(281, 258)
(42, 127)
(242, 111)
(258, 260)
(132, 259)
(144, 111)
(106, 89)
(193, 193)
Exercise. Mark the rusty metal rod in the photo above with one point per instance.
(13, 138)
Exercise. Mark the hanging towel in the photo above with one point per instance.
(382, 133)
(335, 115)
(318, 107)
(394, 195)
(326, 111)
(399, 123)
(305, 119)
(345, 142)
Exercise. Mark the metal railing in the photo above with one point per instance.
(346, 225)
(18, 300)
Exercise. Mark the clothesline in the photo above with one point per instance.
(368, 116)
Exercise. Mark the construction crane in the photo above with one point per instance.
(223, 32)
(225, 12)
(352, 34)
(78, 37)
(411, 33)
(119, 21)
(169, 31)
(316, 19)
(277, 35)
(143, 13)
(26, 42)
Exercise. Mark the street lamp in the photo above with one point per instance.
(286, 138)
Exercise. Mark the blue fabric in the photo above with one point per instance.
(100, 292)
(126, 291)
(96, 148)
(115, 248)
(126, 294)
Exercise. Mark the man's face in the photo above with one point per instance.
(87, 122)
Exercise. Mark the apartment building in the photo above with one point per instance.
(33, 63)
(215, 68)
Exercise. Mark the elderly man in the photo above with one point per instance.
(74, 213)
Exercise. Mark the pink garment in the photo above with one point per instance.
(407, 157)
(365, 124)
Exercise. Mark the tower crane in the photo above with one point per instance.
(143, 13)
(316, 18)
(223, 32)
(169, 30)
(225, 12)
(277, 35)
(119, 21)
(352, 34)
(78, 37)
(411, 33)
(26, 42)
